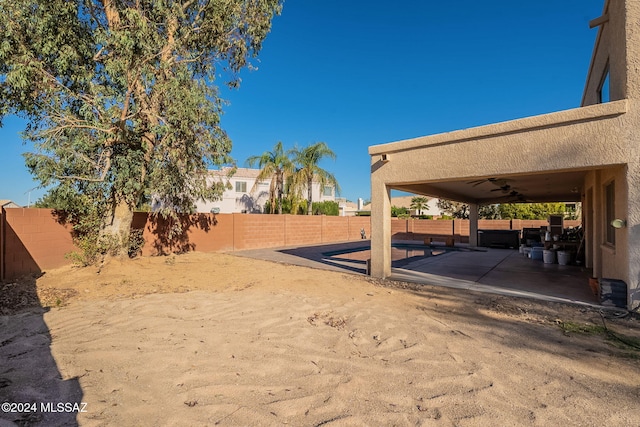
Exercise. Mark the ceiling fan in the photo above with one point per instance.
(500, 182)
(507, 188)
(515, 197)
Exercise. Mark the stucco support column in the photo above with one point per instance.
(380, 230)
(473, 225)
(598, 225)
(633, 236)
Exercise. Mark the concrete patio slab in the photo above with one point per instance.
(510, 274)
(499, 271)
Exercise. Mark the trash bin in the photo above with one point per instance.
(537, 253)
(564, 257)
(549, 256)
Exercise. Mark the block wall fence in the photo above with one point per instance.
(33, 240)
(459, 228)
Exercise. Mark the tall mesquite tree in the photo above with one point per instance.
(121, 96)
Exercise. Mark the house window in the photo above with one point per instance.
(241, 187)
(609, 194)
(328, 191)
(603, 89)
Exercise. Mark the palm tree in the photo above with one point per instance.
(419, 203)
(308, 170)
(277, 166)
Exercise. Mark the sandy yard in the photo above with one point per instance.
(215, 339)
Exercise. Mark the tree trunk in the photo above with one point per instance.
(280, 184)
(310, 196)
(118, 227)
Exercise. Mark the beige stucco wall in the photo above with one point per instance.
(607, 261)
(632, 135)
(623, 49)
(603, 139)
(579, 138)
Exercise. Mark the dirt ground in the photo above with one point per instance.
(214, 339)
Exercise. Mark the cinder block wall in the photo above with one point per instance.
(33, 241)
(494, 224)
(303, 230)
(200, 232)
(434, 229)
(229, 232)
(335, 229)
(409, 229)
(258, 231)
(357, 224)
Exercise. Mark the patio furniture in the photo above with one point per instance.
(499, 238)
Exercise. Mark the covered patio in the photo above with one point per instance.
(589, 154)
(549, 158)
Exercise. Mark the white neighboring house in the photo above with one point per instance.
(242, 197)
(405, 202)
(8, 204)
(346, 208)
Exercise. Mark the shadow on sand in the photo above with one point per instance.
(30, 382)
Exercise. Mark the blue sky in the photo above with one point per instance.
(358, 73)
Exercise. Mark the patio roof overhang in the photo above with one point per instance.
(536, 188)
(466, 165)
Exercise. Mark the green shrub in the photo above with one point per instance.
(399, 212)
(326, 208)
(92, 247)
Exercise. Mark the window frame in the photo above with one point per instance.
(243, 185)
(604, 87)
(324, 191)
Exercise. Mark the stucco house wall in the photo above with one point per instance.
(598, 142)
(251, 200)
(248, 197)
(8, 204)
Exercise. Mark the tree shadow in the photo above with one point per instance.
(171, 235)
(29, 376)
(332, 255)
(18, 260)
(523, 322)
(250, 204)
(432, 237)
(353, 256)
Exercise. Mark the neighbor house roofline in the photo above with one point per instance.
(5, 202)
(239, 172)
